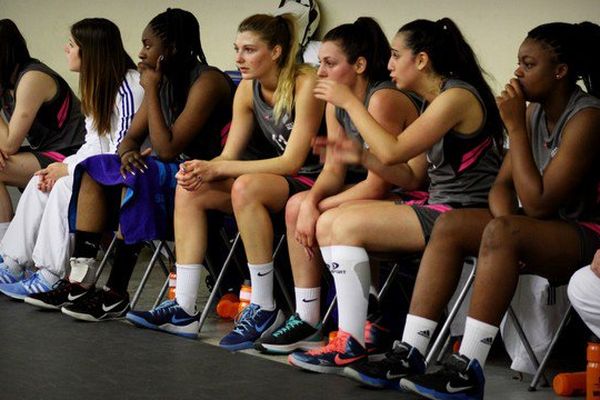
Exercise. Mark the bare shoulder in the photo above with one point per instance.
(306, 78)
(38, 84)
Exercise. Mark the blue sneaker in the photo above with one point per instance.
(167, 317)
(19, 290)
(7, 277)
(253, 324)
(341, 352)
(460, 378)
(401, 361)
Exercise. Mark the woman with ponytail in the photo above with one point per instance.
(275, 100)
(543, 216)
(354, 54)
(110, 95)
(186, 106)
(460, 131)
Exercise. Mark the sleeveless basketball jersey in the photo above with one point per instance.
(207, 143)
(463, 168)
(584, 203)
(59, 123)
(278, 133)
(345, 121)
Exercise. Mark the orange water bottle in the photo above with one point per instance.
(227, 307)
(593, 371)
(569, 384)
(245, 295)
(172, 284)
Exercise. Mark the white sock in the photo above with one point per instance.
(373, 291)
(326, 254)
(352, 277)
(48, 276)
(308, 304)
(261, 276)
(13, 266)
(418, 332)
(3, 228)
(478, 339)
(186, 286)
(83, 271)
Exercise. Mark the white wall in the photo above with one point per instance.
(494, 28)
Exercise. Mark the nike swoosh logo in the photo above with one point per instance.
(345, 361)
(452, 389)
(73, 298)
(265, 273)
(391, 376)
(107, 309)
(309, 301)
(176, 320)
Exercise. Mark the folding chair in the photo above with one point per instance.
(156, 256)
(227, 263)
(443, 335)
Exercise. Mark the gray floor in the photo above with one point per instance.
(46, 355)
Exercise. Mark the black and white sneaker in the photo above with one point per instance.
(63, 293)
(401, 361)
(295, 334)
(103, 305)
(460, 378)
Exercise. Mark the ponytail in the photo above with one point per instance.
(279, 30)
(363, 38)
(452, 57)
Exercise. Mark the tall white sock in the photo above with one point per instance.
(48, 276)
(186, 287)
(326, 254)
(308, 304)
(478, 339)
(261, 276)
(3, 228)
(418, 332)
(352, 277)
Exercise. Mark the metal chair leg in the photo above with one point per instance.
(105, 257)
(146, 275)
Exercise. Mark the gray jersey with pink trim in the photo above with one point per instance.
(277, 132)
(463, 168)
(344, 119)
(584, 204)
(59, 123)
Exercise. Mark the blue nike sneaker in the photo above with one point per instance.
(8, 277)
(252, 324)
(21, 289)
(460, 378)
(167, 317)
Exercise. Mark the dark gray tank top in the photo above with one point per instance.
(584, 203)
(278, 133)
(207, 143)
(344, 119)
(463, 168)
(59, 123)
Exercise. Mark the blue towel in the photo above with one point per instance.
(146, 211)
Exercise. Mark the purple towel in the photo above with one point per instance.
(147, 208)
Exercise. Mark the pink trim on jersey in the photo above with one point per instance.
(62, 113)
(53, 155)
(225, 134)
(439, 207)
(470, 157)
(303, 179)
(591, 226)
(418, 197)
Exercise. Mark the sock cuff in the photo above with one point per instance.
(188, 266)
(480, 325)
(349, 252)
(266, 265)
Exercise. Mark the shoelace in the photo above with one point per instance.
(247, 319)
(398, 353)
(337, 345)
(61, 285)
(291, 323)
(164, 308)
